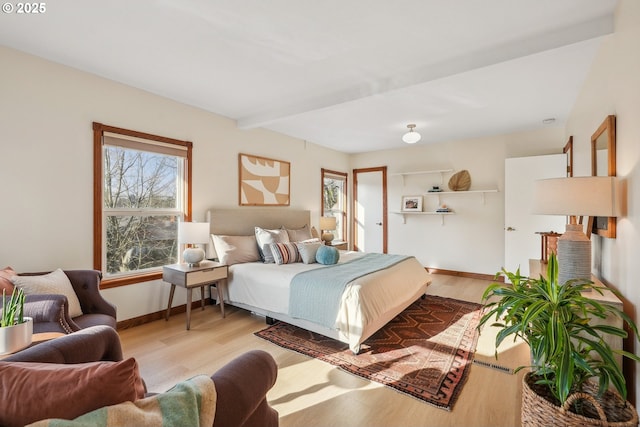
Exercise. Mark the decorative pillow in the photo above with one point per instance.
(55, 282)
(188, 403)
(265, 238)
(34, 391)
(285, 253)
(5, 280)
(299, 234)
(327, 255)
(312, 240)
(235, 249)
(308, 251)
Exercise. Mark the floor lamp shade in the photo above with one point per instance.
(590, 196)
(193, 233)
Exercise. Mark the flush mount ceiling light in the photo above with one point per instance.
(412, 136)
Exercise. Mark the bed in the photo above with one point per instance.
(367, 303)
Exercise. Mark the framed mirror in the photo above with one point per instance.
(568, 150)
(603, 163)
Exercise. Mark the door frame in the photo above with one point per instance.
(354, 218)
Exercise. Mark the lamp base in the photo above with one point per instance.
(327, 237)
(574, 255)
(193, 256)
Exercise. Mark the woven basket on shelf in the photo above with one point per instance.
(609, 410)
(460, 181)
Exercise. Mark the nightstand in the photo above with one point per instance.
(207, 273)
(339, 244)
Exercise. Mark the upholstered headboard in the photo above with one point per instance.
(241, 221)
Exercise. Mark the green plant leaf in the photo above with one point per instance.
(556, 321)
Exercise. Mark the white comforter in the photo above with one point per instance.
(368, 303)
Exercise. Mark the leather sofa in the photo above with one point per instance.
(50, 312)
(241, 385)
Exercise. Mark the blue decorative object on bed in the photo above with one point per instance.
(315, 294)
(327, 255)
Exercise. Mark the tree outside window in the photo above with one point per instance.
(334, 200)
(143, 194)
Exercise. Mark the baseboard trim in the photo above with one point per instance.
(466, 274)
(141, 320)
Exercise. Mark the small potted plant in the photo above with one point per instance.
(572, 366)
(16, 331)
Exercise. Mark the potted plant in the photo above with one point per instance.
(16, 331)
(571, 363)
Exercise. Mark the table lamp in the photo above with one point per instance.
(192, 233)
(327, 225)
(572, 197)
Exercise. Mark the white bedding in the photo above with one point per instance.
(368, 303)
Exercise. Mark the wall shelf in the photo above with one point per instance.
(440, 171)
(442, 215)
(481, 192)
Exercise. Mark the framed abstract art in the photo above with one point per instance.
(263, 181)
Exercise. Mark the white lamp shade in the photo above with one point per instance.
(576, 196)
(328, 223)
(411, 137)
(589, 195)
(193, 232)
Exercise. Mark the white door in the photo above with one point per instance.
(370, 215)
(521, 242)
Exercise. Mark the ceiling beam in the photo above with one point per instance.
(509, 51)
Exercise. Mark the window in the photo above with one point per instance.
(142, 186)
(334, 200)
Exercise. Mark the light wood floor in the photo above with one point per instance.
(309, 392)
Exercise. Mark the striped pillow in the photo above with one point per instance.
(285, 253)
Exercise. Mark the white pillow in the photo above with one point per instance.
(308, 251)
(55, 282)
(235, 249)
(265, 238)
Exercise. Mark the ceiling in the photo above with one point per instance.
(345, 74)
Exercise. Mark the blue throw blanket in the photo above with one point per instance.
(315, 295)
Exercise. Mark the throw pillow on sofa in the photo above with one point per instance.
(5, 280)
(36, 391)
(55, 282)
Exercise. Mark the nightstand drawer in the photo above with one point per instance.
(203, 276)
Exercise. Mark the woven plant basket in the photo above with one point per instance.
(610, 410)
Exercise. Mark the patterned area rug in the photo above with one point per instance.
(426, 351)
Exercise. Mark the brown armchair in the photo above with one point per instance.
(98, 343)
(50, 313)
(241, 385)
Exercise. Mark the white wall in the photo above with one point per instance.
(472, 240)
(613, 87)
(46, 115)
